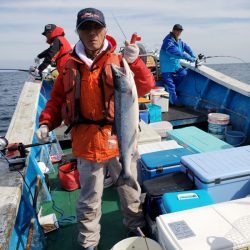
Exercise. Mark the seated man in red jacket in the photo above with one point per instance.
(89, 62)
(59, 49)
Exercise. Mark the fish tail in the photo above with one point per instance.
(125, 180)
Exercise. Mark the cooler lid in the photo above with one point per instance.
(147, 134)
(159, 93)
(178, 201)
(198, 139)
(164, 158)
(237, 213)
(216, 166)
(207, 227)
(157, 146)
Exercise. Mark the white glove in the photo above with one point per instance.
(34, 70)
(130, 52)
(37, 60)
(37, 72)
(42, 134)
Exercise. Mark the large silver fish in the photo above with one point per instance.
(126, 122)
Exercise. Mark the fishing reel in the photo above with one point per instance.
(3, 143)
(200, 60)
(15, 161)
(15, 153)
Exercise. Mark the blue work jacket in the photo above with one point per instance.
(171, 52)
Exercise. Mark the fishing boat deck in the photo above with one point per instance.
(112, 229)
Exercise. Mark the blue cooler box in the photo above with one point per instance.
(225, 174)
(178, 201)
(197, 140)
(161, 162)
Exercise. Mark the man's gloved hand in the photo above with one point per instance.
(189, 58)
(192, 59)
(37, 60)
(35, 70)
(42, 134)
(130, 52)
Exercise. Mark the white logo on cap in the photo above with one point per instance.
(48, 26)
(89, 14)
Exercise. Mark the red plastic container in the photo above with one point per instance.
(69, 176)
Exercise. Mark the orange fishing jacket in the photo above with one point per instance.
(90, 141)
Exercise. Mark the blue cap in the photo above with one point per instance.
(90, 15)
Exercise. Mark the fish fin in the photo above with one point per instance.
(139, 126)
(122, 180)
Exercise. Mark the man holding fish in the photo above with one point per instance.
(98, 102)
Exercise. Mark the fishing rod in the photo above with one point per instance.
(4, 144)
(24, 70)
(30, 71)
(16, 152)
(202, 58)
(119, 26)
(21, 147)
(134, 37)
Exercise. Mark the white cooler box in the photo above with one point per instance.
(221, 226)
(224, 173)
(160, 98)
(157, 146)
(161, 127)
(147, 134)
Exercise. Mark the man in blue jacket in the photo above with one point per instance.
(172, 50)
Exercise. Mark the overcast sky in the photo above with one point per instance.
(212, 27)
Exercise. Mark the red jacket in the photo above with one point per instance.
(90, 141)
(58, 51)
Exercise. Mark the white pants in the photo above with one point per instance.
(88, 208)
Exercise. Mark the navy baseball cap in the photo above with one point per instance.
(177, 27)
(90, 15)
(48, 28)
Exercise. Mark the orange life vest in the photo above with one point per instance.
(72, 81)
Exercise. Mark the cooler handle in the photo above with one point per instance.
(187, 196)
